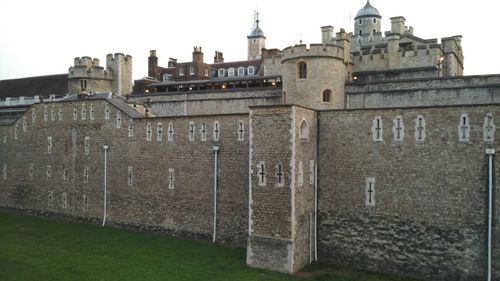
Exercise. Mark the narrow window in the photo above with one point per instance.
(92, 112)
(191, 70)
(374, 32)
(262, 174)
(130, 176)
(301, 174)
(51, 197)
(203, 132)
(171, 178)
(149, 132)
(302, 70)
(206, 72)
(49, 145)
(33, 115)
(30, 170)
(420, 128)
(52, 113)
(170, 131)
(25, 124)
(159, 132)
(87, 145)
(311, 172)
(398, 129)
(304, 131)
(60, 114)
(85, 203)
(251, 70)
(16, 132)
(130, 128)
(181, 71)
(327, 95)
(464, 128)
(280, 175)
(84, 111)
(241, 131)
(377, 129)
(49, 171)
(216, 131)
(45, 113)
(4, 137)
(374, 20)
(64, 200)
(360, 33)
(4, 171)
(489, 128)
(75, 113)
(360, 21)
(86, 174)
(65, 175)
(191, 131)
(118, 119)
(370, 192)
(283, 98)
(106, 112)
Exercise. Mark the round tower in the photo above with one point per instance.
(256, 40)
(367, 21)
(315, 77)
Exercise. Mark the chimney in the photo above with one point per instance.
(197, 55)
(326, 34)
(219, 57)
(153, 64)
(398, 25)
(172, 62)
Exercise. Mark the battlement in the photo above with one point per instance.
(87, 67)
(314, 50)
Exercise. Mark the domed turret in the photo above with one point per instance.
(367, 21)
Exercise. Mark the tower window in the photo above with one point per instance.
(302, 70)
(327, 94)
(374, 20)
(360, 32)
(360, 21)
(374, 31)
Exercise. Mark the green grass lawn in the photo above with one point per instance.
(33, 248)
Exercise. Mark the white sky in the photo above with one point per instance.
(42, 37)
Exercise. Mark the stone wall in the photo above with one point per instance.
(140, 191)
(414, 207)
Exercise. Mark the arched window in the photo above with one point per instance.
(304, 130)
(302, 70)
(327, 95)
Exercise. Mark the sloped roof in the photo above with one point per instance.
(34, 86)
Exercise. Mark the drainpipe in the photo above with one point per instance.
(490, 152)
(216, 151)
(316, 210)
(105, 147)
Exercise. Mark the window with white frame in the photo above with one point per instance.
(261, 174)
(300, 175)
(87, 145)
(181, 71)
(191, 70)
(206, 72)
(49, 145)
(86, 172)
(49, 171)
(241, 131)
(30, 170)
(241, 71)
(311, 172)
(52, 113)
(60, 113)
(75, 113)
(377, 129)
(16, 132)
(489, 128)
(170, 131)
(118, 119)
(25, 124)
(230, 72)
(65, 175)
(464, 128)
(64, 200)
(398, 129)
(191, 131)
(33, 115)
(159, 132)
(221, 72)
(130, 128)
(216, 131)
(171, 178)
(149, 132)
(167, 77)
(251, 70)
(45, 113)
(203, 132)
(420, 128)
(84, 111)
(92, 112)
(280, 175)
(130, 176)
(107, 112)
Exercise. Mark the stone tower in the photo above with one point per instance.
(256, 40)
(367, 21)
(315, 77)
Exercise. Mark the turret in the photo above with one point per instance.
(326, 34)
(367, 21)
(153, 64)
(256, 40)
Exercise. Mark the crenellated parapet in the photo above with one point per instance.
(86, 67)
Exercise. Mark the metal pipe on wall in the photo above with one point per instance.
(105, 148)
(216, 151)
(490, 152)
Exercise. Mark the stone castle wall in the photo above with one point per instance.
(428, 212)
(73, 184)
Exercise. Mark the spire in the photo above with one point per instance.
(256, 31)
